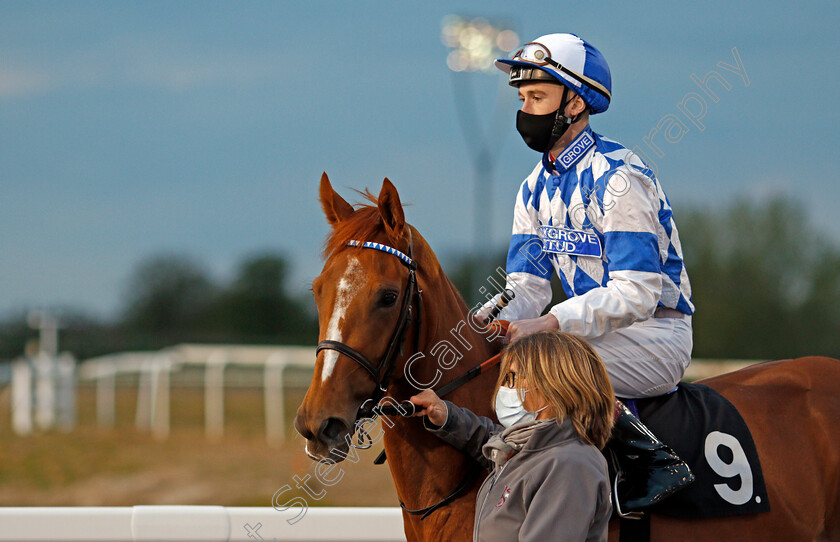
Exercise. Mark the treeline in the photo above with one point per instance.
(765, 282)
(766, 285)
(170, 299)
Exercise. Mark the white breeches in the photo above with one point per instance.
(647, 358)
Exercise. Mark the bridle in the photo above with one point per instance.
(381, 372)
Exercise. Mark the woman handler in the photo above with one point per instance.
(549, 480)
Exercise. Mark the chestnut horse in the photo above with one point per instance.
(792, 407)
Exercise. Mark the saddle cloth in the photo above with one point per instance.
(709, 434)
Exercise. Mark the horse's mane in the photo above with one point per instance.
(363, 225)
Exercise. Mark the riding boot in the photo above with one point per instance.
(648, 471)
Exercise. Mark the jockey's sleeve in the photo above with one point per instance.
(528, 267)
(631, 246)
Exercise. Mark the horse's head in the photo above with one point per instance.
(360, 297)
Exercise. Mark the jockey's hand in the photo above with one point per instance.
(480, 317)
(521, 328)
(430, 405)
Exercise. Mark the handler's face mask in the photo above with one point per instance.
(509, 408)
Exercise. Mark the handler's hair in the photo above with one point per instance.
(570, 376)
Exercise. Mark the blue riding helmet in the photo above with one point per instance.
(567, 59)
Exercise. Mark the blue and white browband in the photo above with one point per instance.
(384, 248)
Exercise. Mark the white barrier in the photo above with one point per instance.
(198, 523)
(154, 370)
(43, 393)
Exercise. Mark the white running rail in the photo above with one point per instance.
(198, 524)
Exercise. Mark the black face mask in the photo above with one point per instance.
(541, 132)
(537, 130)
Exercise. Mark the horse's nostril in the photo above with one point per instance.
(332, 429)
(303, 429)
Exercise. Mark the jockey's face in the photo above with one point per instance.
(540, 98)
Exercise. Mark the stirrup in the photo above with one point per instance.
(639, 458)
(637, 514)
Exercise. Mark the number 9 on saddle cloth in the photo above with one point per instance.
(707, 432)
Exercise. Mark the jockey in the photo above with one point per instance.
(595, 214)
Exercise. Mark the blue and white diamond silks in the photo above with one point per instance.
(597, 193)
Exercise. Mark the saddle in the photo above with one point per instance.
(709, 434)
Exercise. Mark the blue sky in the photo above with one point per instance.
(202, 128)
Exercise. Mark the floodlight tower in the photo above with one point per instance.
(474, 43)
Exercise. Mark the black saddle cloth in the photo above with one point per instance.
(709, 434)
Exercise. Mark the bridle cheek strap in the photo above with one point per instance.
(381, 374)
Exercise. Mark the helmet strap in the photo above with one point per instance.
(561, 121)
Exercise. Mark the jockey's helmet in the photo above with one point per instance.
(567, 59)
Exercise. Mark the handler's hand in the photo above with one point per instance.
(431, 406)
(521, 328)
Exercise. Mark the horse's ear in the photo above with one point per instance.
(391, 210)
(334, 205)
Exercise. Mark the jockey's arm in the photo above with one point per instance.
(627, 298)
(631, 248)
(635, 280)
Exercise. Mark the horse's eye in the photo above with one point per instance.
(388, 299)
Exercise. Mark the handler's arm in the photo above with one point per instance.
(458, 427)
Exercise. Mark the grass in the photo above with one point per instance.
(92, 466)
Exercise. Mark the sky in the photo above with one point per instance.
(131, 129)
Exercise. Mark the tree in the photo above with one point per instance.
(167, 295)
(761, 278)
(256, 306)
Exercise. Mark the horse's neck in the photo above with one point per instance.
(450, 341)
(417, 458)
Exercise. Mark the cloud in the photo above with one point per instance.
(135, 63)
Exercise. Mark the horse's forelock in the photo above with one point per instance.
(363, 225)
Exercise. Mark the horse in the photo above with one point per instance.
(368, 309)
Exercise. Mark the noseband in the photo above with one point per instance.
(381, 372)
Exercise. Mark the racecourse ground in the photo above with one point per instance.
(121, 466)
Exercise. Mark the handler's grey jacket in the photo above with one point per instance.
(555, 489)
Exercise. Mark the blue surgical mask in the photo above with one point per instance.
(509, 408)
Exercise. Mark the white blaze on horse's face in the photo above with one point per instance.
(347, 288)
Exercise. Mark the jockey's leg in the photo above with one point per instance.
(645, 360)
